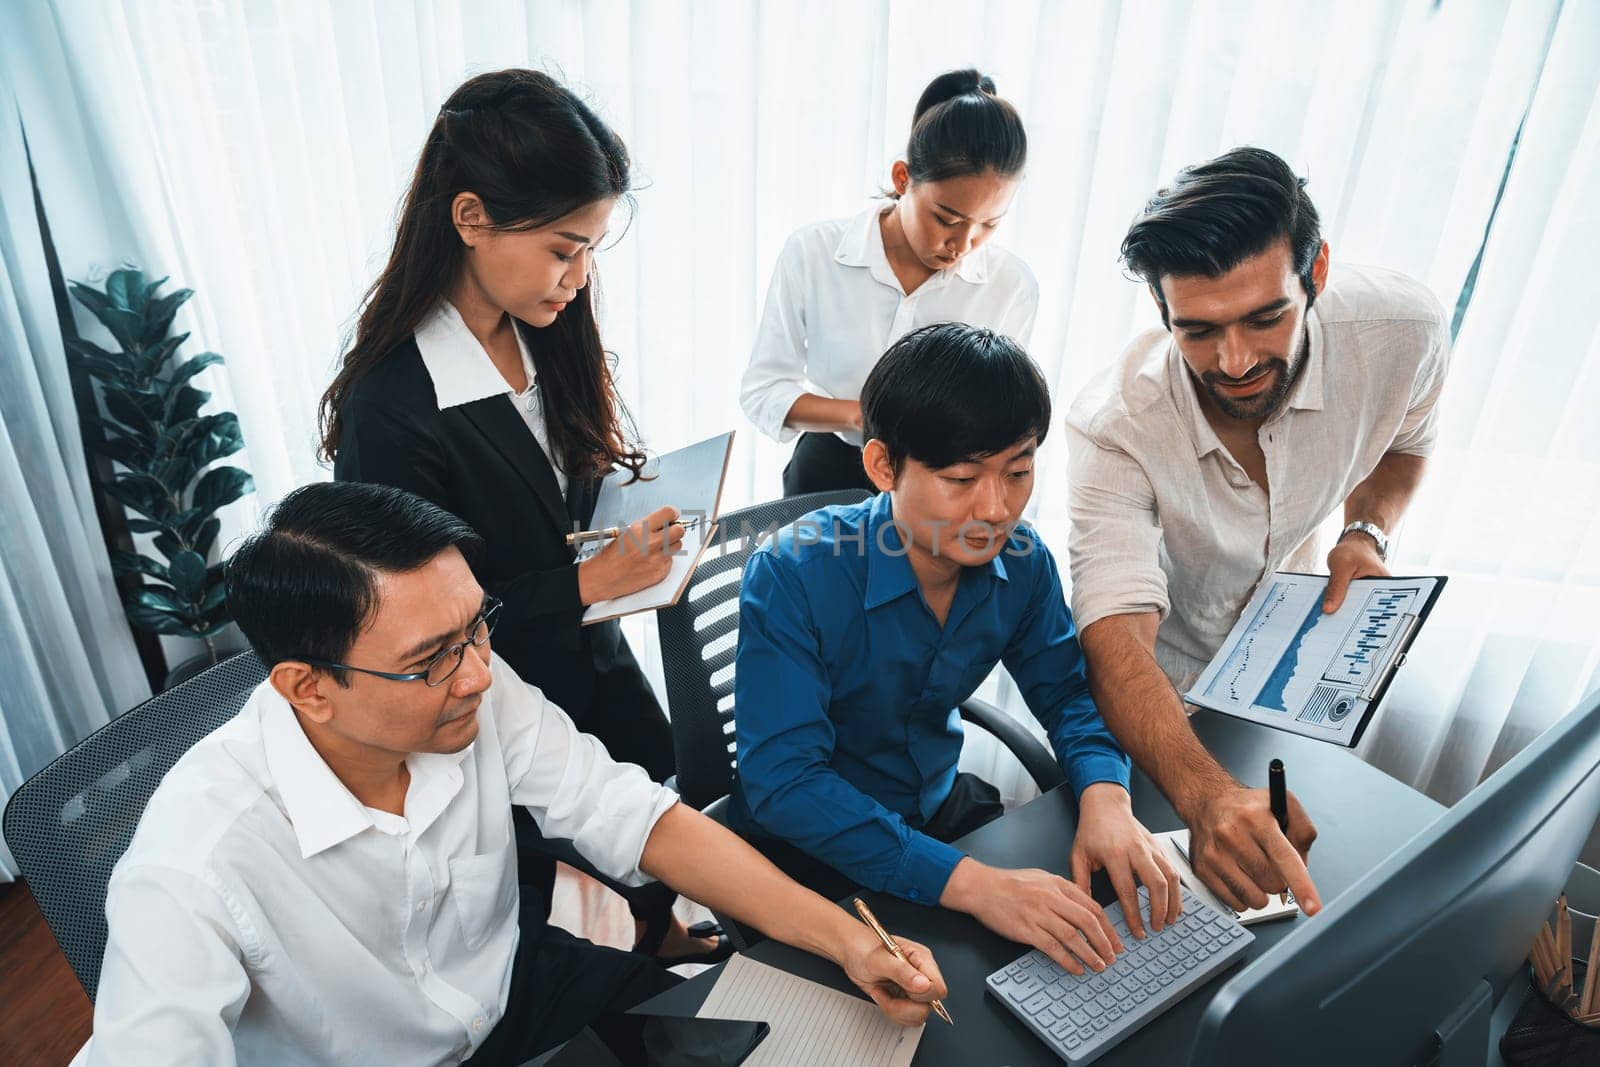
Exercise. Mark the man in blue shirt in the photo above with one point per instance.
(861, 629)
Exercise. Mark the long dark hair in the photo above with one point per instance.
(532, 152)
(961, 126)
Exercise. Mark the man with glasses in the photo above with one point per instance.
(330, 877)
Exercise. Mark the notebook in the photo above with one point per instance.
(689, 479)
(811, 1024)
(1175, 846)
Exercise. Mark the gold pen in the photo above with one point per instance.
(888, 942)
(611, 533)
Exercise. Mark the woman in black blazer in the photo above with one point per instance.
(477, 380)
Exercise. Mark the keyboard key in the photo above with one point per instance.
(1080, 1015)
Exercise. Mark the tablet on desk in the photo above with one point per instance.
(669, 1041)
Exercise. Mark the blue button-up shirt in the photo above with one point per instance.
(846, 688)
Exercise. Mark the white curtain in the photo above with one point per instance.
(256, 152)
(69, 661)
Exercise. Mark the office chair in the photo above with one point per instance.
(698, 638)
(69, 824)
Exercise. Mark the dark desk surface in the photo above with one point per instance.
(1362, 817)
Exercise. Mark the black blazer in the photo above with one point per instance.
(482, 463)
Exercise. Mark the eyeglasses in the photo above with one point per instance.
(442, 666)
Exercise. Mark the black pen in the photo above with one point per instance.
(1278, 793)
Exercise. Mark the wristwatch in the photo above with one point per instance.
(1377, 535)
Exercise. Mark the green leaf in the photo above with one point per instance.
(126, 326)
(188, 570)
(133, 410)
(157, 607)
(125, 288)
(190, 367)
(207, 536)
(217, 436)
(216, 597)
(112, 368)
(135, 563)
(153, 357)
(157, 621)
(158, 597)
(158, 315)
(183, 404)
(221, 486)
(130, 451)
(176, 472)
(143, 494)
(188, 524)
(168, 545)
(151, 287)
(90, 297)
(146, 526)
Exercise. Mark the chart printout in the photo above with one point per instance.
(1288, 665)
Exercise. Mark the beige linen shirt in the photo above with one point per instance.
(1164, 519)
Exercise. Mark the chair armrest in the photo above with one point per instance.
(717, 810)
(1034, 757)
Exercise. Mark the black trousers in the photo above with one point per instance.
(627, 718)
(972, 803)
(821, 462)
(561, 984)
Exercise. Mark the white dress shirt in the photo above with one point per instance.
(835, 306)
(1164, 519)
(263, 915)
(463, 372)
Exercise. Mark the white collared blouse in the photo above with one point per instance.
(834, 307)
(462, 372)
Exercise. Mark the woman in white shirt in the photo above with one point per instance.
(844, 291)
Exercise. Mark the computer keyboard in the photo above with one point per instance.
(1080, 1017)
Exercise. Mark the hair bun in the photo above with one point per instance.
(950, 85)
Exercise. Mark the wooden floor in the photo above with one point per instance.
(45, 1016)
(44, 1013)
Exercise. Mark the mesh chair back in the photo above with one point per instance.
(69, 824)
(698, 637)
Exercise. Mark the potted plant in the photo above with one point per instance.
(163, 450)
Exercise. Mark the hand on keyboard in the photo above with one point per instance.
(1080, 1017)
(1035, 908)
(1109, 838)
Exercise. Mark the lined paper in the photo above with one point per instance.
(812, 1025)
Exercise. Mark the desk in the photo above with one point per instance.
(1362, 817)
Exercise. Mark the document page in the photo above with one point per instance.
(1286, 664)
(1175, 846)
(811, 1024)
(689, 479)
(665, 592)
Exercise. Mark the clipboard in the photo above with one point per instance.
(690, 479)
(1287, 666)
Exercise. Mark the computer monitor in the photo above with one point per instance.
(1405, 966)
